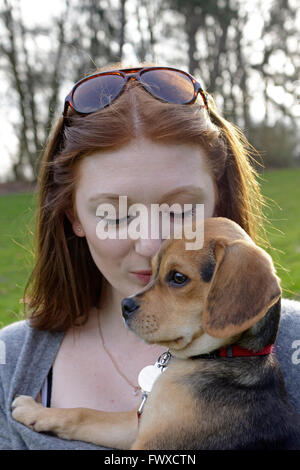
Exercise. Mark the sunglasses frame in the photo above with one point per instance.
(134, 73)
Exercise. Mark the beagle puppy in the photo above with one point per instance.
(217, 311)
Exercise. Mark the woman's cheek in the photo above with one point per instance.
(107, 249)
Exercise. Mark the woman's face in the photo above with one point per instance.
(146, 172)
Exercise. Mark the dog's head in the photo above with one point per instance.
(200, 300)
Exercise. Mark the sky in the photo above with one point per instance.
(39, 12)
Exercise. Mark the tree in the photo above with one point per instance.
(37, 75)
(237, 62)
(32, 85)
(222, 51)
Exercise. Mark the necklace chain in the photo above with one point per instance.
(136, 388)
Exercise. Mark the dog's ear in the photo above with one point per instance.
(243, 288)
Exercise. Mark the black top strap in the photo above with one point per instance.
(49, 387)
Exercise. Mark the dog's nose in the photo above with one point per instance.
(128, 307)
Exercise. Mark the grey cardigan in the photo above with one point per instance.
(26, 356)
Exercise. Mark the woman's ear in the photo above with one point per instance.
(243, 288)
(69, 214)
(76, 225)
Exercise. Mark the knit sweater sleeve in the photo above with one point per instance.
(4, 436)
(28, 357)
(287, 349)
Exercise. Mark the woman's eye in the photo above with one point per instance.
(172, 214)
(189, 213)
(115, 221)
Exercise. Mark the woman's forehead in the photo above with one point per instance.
(159, 166)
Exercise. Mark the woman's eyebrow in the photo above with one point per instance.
(191, 190)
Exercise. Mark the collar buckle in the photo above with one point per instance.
(163, 360)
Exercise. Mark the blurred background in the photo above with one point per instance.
(245, 53)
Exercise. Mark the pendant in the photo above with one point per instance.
(147, 377)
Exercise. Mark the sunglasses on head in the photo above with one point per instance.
(167, 84)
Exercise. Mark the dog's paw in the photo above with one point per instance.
(27, 411)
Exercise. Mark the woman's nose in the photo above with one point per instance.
(147, 247)
(152, 237)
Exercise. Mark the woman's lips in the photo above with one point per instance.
(144, 276)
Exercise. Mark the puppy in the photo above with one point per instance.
(217, 310)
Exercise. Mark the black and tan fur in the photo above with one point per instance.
(230, 295)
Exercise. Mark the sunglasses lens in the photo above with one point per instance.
(97, 92)
(169, 85)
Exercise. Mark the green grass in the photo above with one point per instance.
(283, 189)
(16, 223)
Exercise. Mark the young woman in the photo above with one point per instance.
(151, 134)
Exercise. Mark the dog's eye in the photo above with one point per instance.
(176, 279)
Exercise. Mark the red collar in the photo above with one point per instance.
(235, 351)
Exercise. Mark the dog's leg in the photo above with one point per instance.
(108, 429)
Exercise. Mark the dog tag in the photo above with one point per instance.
(147, 377)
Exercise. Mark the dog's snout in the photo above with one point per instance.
(129, 306)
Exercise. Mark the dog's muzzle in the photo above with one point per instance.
(129, 306)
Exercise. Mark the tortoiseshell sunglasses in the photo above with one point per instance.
(97, 91)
